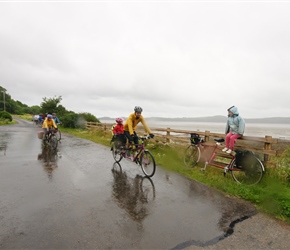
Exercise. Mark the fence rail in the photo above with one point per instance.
(264, 146)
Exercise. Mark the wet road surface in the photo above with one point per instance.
(81, 199)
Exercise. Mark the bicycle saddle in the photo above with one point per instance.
(219, 140)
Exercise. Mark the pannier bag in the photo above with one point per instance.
(195, 138)
(40, 134)
(244, 158)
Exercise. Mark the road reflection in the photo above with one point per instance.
(134, 195)
(49, 158)
(4, 142)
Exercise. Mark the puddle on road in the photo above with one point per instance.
(4, 138)
(134, 195)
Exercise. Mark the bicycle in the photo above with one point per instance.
(136, 153)
(50, 140)
(245, 167)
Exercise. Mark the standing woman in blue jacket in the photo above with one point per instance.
(235, 128)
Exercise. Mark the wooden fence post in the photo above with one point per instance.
(206, 135)
(267, 146)
(168, 135)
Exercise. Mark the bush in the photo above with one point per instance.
(5, 116)
(89, 117)
(69, 120)
(282, 170)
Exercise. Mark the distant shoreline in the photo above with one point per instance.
(222, 119)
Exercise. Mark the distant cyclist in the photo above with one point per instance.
(48, 124)
(131, 125)
(55, 118)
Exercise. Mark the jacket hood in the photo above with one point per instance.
(234, 110)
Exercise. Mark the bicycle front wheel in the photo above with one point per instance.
(192, 155)
(58, 135)
(147, 164)
(116, 151)
(53, 143)
(250, 173)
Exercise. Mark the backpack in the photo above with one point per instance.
(195, 138)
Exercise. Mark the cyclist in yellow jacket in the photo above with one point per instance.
(131, 125)
(48, 124)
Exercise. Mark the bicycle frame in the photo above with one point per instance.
(247, 170)
(132, 148)
(210, 160)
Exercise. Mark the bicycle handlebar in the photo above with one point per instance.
(147, 137)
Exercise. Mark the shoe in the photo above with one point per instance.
(225, 149)
(229, 151)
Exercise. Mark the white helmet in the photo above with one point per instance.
(138, 109)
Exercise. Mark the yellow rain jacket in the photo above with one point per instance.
(48, 124)
(132, 122)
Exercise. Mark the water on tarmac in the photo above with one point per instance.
(77, 197)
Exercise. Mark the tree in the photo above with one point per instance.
(35, 109)
(49, 105)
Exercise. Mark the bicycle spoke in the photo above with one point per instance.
(116, 151)
(192, 156)
(250, 173)
(147, 163)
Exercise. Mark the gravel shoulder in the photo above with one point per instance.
(257, 232)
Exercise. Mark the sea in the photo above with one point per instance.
(279, 131)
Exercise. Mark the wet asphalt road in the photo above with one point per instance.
(81, 199)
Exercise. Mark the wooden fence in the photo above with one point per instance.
(265, 147)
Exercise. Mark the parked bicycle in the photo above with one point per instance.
(245, 167)
(136, 153)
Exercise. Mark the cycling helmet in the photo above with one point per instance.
(49, 116)
(138, 109)
(119, 120)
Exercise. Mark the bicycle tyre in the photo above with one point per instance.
(250, 174)
(191, 156)
(147, 189)
(116, 151)
(53, 142)
(147, 163)
(58, 135)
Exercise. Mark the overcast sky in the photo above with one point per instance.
(172, 58)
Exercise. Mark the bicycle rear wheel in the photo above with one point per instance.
(250, 173)
(192, 155)
(147, 164)
(116, 151)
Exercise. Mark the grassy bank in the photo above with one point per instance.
(271, 195)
